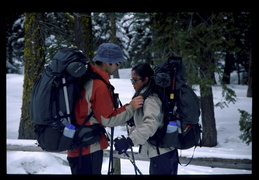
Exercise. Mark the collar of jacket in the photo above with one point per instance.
(103, 74)
(141, 91)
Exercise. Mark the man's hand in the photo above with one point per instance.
(137, 102)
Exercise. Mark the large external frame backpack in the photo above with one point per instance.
(179, 103)
(53, 99)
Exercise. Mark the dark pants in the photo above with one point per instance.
(87, 164)
(164, 164)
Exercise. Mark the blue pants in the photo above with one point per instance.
(164, 164)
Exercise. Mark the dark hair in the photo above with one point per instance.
(143, 70)
(98, 62)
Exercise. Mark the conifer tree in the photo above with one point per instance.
(83, 34)
(113, 38)
(191, 36)
(33, 65)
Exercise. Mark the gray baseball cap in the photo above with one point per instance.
(109, 53)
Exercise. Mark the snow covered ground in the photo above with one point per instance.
(229, 145)
(19, 162)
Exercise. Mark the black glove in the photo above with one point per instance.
(131, 122)
(122, 144)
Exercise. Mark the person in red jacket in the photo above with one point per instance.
(98, 98)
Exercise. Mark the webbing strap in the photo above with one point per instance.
(189, 160)
(81, 145)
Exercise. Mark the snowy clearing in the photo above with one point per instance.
(229, 145)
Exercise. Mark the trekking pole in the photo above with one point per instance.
(110, 166)
(66, 99)
(131, 149)
(133, 163)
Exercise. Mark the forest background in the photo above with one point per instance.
(209, 42)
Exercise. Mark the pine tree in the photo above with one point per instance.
(34, 60)
(14, 42)
(192, 36)
(113, 37)
(245, 124)
(58, 28)
(83, 34)
(138, 30)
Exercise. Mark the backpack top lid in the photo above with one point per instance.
(64, 57)
(167, 70)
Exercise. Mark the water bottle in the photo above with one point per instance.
(69, 131)
(172, 127)
(66, 139)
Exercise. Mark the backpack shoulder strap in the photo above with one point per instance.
(85, 121)
(88, 118)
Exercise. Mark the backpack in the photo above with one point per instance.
(179, 104)
(53, 99)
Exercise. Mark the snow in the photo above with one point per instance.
(229, 145)
(19, 162)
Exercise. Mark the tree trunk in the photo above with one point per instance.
(229, 61)
(207, 69)
(113, 38)
(250, 89)
(34, 60)
(83, 34)
(209, 132)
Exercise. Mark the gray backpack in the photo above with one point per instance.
(53, 99)
(179, 104)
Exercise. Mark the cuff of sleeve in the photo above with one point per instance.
(129, 142)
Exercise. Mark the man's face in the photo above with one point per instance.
(112, 67)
